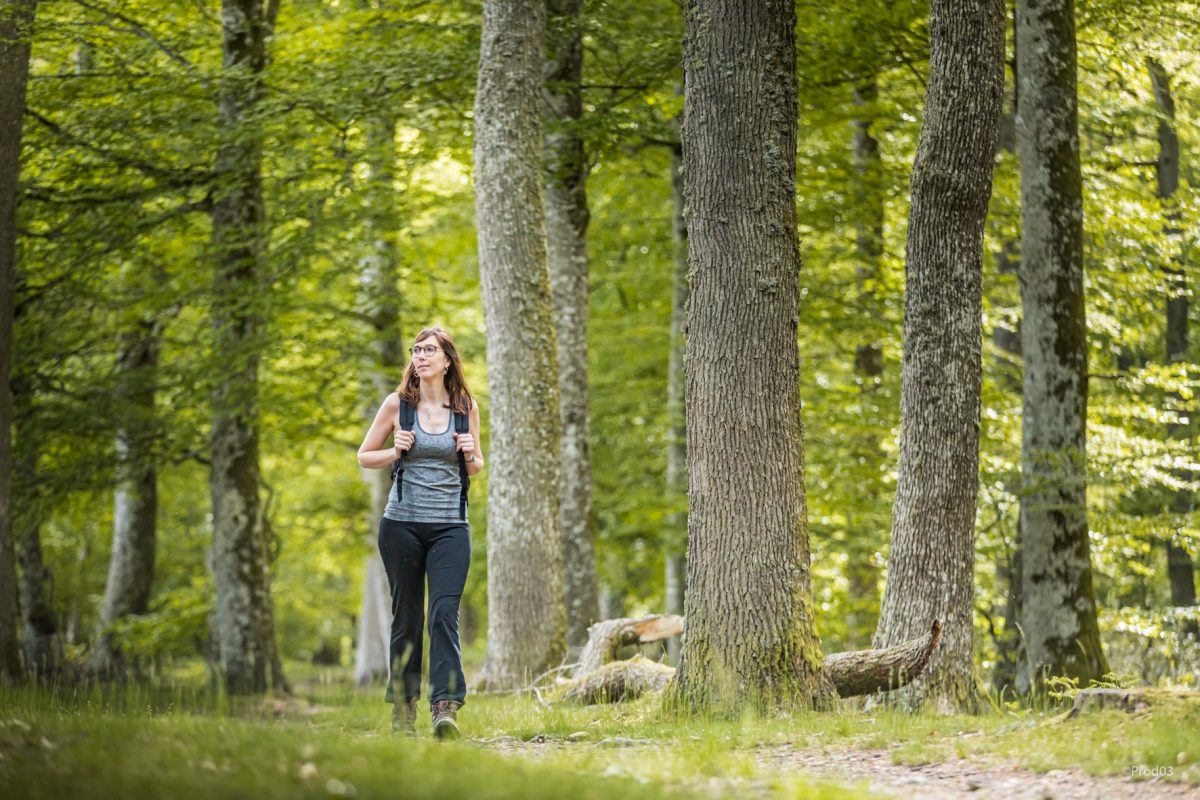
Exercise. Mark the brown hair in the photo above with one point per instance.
(456, 382)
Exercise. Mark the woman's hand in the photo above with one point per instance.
(403, 441)
(465, 443)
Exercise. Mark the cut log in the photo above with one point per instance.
(604, 638)
(860, 672)
(620, 680)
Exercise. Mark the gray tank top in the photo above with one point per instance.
(431, 484)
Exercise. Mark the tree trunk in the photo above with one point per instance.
(135, 501)
(861, 572)
(931, 567)
(566, 239)
(1181, 571)
(747, 522)
(675, 552)
(241, 570)
(381, 299)
(43, 650)
(15, 36)
(526, 614)
(1059, 615)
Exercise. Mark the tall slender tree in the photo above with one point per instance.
(526, 614)
(16, 33)
(868, 214)
(379, 283)
(1181, 570)
(1061, 634)
(244, 621)
(931, 566)
(676, 550)
(135, 500)
(747, 525)
(566, 238)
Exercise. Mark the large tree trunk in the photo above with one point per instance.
(931, 567)
(135, 501)
(1059, 615)
(380, 282)
(526, 614)
(747, 523)
(1181, 573)
(675, 552)
(241, 571)
(16, 30)
(861, 572)
(566, 238)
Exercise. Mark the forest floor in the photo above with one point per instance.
(329, 739)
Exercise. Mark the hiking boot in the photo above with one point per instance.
(445, 726)
(404, 718)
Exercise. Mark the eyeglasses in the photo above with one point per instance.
(427, 350)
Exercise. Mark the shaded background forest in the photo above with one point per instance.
(118, 148)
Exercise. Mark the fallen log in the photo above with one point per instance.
(604, 638)
(620, 680)
(860, 672)
(854, 673)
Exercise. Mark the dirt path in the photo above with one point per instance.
(954, 780)
(963, 779)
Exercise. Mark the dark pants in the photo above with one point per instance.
(412, 551)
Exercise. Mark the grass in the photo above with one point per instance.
(332, 739)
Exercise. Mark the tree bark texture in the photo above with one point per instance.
(526, 613)
(931, 569)
(566, 238)
(135, 500)
(16, 29)
(675, 552)
(241, 570)
(1059, 614)
(750, 638)
(1181, 571)
(379, 281)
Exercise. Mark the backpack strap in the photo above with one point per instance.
(408, 416)
(462, 424)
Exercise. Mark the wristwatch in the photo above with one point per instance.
(471, 460)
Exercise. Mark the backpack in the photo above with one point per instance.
(462, 424)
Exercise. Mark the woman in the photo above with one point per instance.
(433, 426)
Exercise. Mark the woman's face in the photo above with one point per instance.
(429, 358)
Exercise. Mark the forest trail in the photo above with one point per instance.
(874, 771)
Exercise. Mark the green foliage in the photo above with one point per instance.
(116, 189)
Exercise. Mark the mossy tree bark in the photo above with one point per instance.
(1059, 606)
(566, 237)
(16, 29)
(750, 637)
(249, 661)
(931, 566)
(526, 613)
